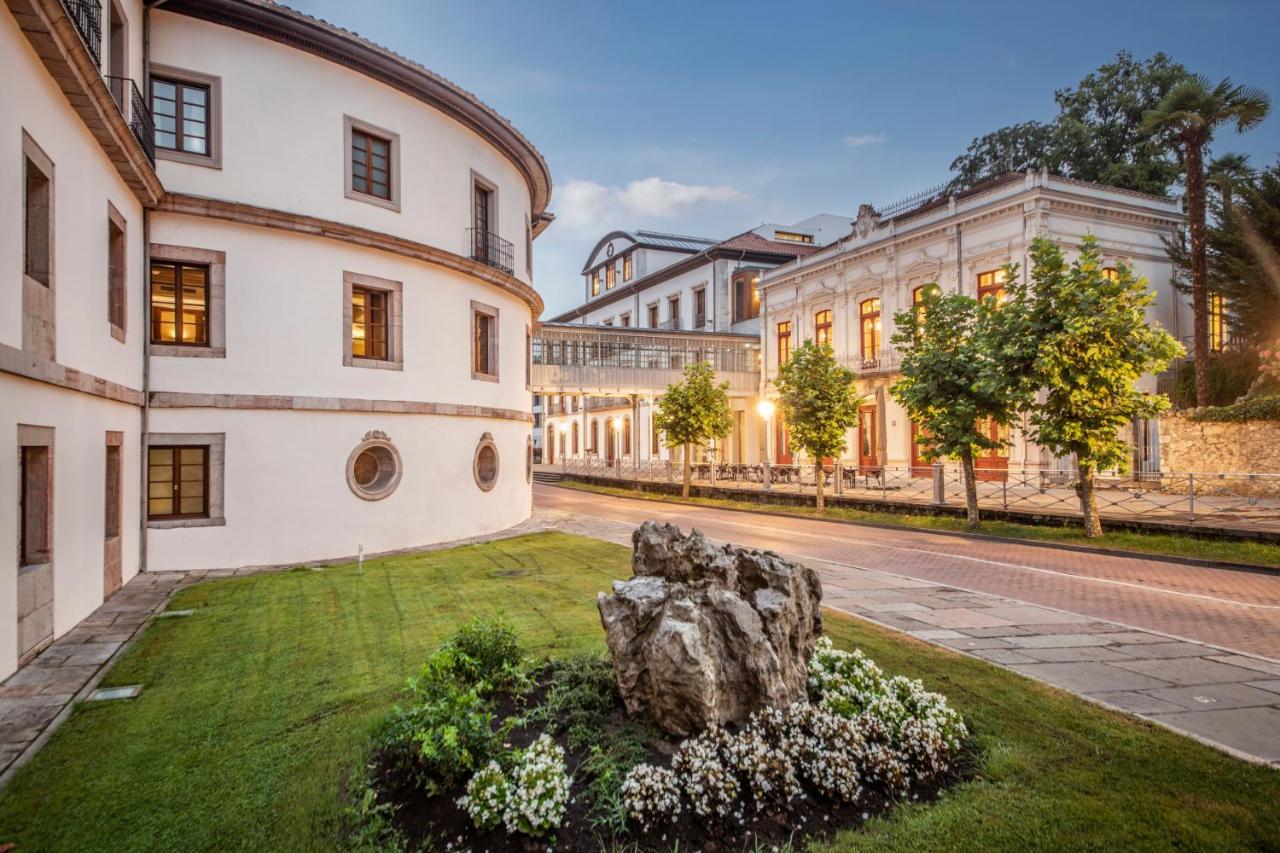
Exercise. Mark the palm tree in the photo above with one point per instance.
(1185, 120)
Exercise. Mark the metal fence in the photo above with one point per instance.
(1250, 501)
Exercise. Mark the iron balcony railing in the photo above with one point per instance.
(135, 111)
(490, 249)
(87, 17)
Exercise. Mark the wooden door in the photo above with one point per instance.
(993, 465)
(610, 442)
(868, 446)
(920, 467)
(782, 443)
(549, 454)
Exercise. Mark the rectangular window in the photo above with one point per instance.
(179, 303)
(369, 323)
(178, 481)
(608, 322)
(627, 270)
(484, 342)
(700, 308)
(610, 277)
(1217, 324)
(869, 314)
(653, 315)
(115, 273)
(35, 506)
(822, 327)
(673, 312)
(37, 254)
(991, 284)
(784, 342)
(746, 295)
(180, 110)
(626, 321)
(111, 514)
(370, 164)
(792, 237)
(595, 283)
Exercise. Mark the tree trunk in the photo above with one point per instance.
(817, 471)
(688, 471)
(1193, 157)
(1087, 491)
(970, 489)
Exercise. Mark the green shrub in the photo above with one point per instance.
(1231, 373)
(482, 653)
(1256, 409)
(581, 692)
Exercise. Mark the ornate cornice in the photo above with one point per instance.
(265, 217)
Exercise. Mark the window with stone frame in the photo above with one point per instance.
(653, 315)
(370, 323)
(822, 327)
(373, 325)
(116, 274)
(178, 482)
(484, 342)
(179, 303)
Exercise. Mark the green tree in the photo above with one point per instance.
(818, 402)
(964, 365)
(693, 412)
(1242, 246)
(1185, 121)
(1092, 344)
(1096, 136)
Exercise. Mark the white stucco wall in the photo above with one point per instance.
(282, 141)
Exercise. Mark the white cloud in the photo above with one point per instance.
(857, 140)
(589, 205)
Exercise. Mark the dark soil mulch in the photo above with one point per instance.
(432, 823)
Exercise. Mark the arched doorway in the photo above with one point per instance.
(610, 441)
(549, 445)
(626, 436)
(575, 438)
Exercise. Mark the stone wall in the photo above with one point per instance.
(1213, 447)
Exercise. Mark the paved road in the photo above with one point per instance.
(1232, 609)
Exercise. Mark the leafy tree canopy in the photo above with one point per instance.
(817, 399)
(695, 410)
(1098, 134)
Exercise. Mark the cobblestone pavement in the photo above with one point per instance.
(1192, 648)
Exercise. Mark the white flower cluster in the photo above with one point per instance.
(531, 800)
(704, 773)
(651, 793)
(863, 730)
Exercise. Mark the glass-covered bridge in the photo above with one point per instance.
(613, 361)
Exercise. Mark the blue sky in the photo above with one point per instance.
(709, 118)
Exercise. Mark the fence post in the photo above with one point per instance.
(713, 473)
(839, 479)
(764, 478)
(1191, 496)
(884, 483)
(939, 484)
(1004, 490)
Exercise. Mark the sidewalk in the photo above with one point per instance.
(1221, 697)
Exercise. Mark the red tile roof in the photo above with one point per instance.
(750, 241)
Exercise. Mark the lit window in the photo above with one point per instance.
(611, 277)
(991, 284)
(369, 324)
(822, 327)
(595, 283)
(1217, 323)
(784, 342)
(746, 295)
(179, 303)
(627, 270)
(1110, 273)
(869, 313)
(793, 237)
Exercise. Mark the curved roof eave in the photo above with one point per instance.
(612, 235)
(279, 23)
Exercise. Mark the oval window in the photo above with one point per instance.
(486, 463)
(373, 469)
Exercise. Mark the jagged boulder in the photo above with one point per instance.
(704, 635)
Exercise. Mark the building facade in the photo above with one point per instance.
(848, 293)
(313, 260)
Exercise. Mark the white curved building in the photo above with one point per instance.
(317, 296)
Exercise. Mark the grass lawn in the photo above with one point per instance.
(1167, 544)
(256, 708)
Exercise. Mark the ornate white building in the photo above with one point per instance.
(848, 293)
(270, 300)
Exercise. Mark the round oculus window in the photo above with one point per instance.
(373, 469)
(485, 465)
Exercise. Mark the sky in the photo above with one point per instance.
(710, 118)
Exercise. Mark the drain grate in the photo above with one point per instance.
(106, 694)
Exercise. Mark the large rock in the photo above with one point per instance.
(704, 635)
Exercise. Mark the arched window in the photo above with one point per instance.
(655, 444)
(991, 284)
(575, 438)
(626, 436)
(822, 327)
(595, 436)
(869, 314)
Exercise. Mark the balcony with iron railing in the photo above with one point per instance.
(490, 249)
(86, 15)
(133, 106)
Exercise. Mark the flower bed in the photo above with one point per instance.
(489, 752)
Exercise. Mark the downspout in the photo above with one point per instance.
(145, 327)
